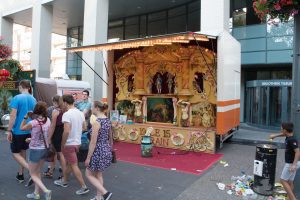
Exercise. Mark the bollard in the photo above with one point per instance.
(264, 169)
(146, 146)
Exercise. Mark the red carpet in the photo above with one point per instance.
(190, 162)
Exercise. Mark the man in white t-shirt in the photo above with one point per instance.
(74, 123)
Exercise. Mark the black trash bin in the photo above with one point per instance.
(264, 180)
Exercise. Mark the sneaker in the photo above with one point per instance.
(48, 195)
(29, 182)
(82, 191)
(107, 196)
(95, 198)
(61, 183)
(60, 177)
(33, 196)
(20, 177)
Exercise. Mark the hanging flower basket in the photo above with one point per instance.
(12, 66)
(9, 68)
(282, 9)
(4, 74)
(5, 51)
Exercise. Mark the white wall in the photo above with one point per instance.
(214, 16)
(12, 6)
(229, 67)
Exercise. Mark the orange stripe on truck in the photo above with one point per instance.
(228, 103)
(227, 120)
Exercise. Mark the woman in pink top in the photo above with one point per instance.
(37, 147)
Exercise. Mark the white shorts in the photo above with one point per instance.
(286, 174)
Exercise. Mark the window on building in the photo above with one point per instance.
(177, 20)
(194, 16)
(157, 23)
(181, 18)
(132, 27)
(239, 17)
(116, 29)
(74, 63)
(143, 26)
(251, 17)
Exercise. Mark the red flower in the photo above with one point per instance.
(289, 2)
(277, 6)
(281, 9)
(283, 2)
(5, 51)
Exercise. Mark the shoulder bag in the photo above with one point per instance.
(50, 151)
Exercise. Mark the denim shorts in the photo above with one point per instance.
(35, 155)
(286, 174)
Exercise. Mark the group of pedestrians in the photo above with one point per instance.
(30, 127)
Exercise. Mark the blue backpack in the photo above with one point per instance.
(85, 142)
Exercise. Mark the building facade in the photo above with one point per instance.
(95, 21)
(267, 50)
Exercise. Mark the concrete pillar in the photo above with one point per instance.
(41, 39)
(214, 16)
(94, 32)
(295, 90)
(6, 30)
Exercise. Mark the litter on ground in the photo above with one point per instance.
(242, 186)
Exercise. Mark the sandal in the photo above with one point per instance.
(48, 174)
(48, 169)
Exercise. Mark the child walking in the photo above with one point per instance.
(37, 148)
(292, 155)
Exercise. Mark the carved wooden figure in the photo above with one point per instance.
(158, 83)
(184, 112)
(137, 110)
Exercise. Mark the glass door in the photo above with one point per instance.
(275, 106)
(256, 111)
(268, 105)
(255, 106)
(264, 103)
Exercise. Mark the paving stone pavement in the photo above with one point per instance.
(133, 182)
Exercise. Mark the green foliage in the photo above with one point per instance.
(13, 66)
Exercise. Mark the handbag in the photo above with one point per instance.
(50, 151)
(114, 157)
